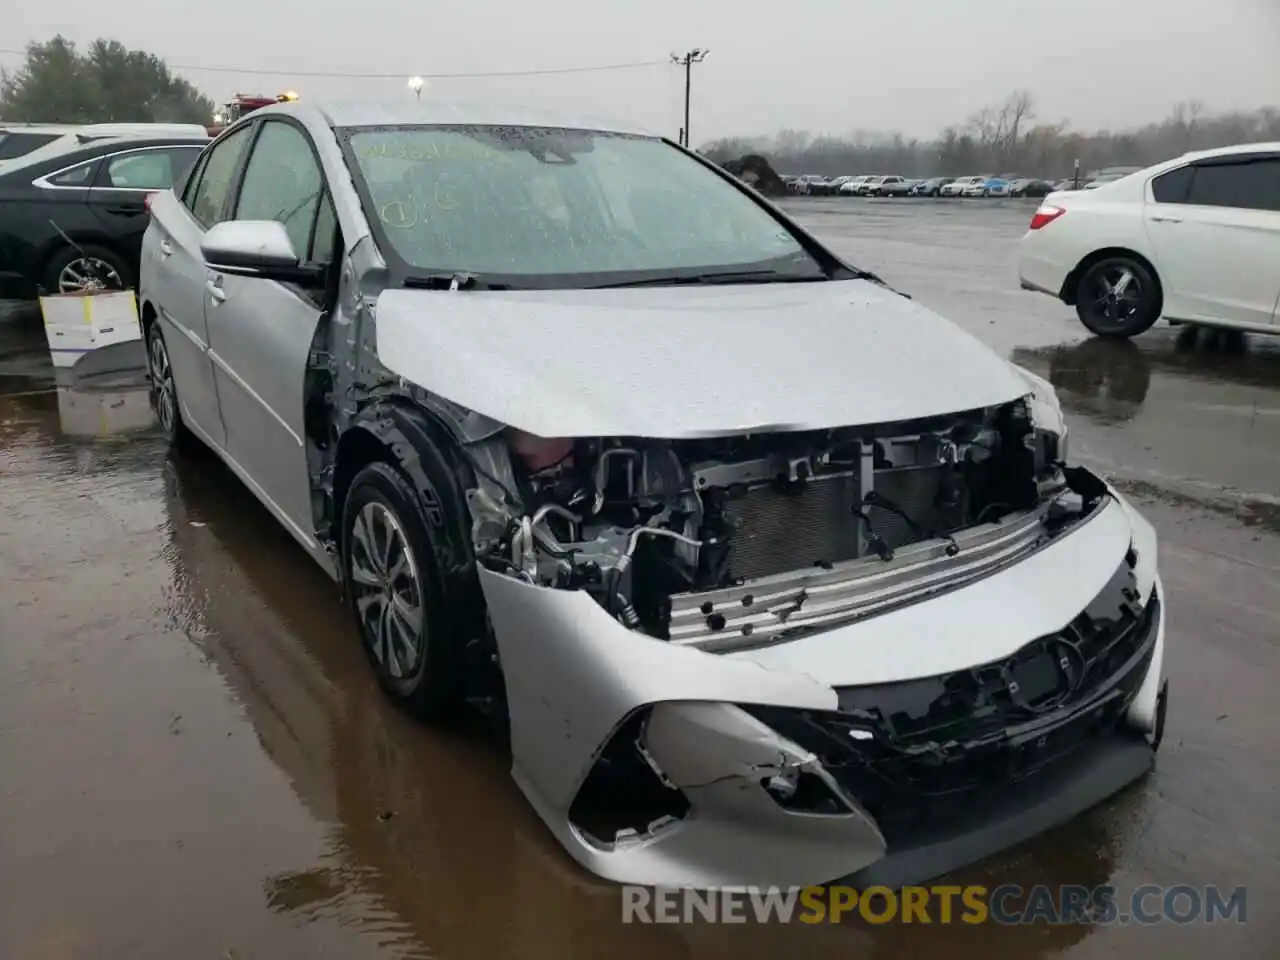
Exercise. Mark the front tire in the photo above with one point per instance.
(396, 595)
(1118, 297)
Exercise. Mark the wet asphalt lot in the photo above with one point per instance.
(194, 761)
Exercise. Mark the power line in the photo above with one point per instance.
(196, 68)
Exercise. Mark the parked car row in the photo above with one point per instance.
(873, 185)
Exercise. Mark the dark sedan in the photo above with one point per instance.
(931, 187)
(1031, 188)
(75, 221)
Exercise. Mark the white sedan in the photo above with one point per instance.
(1196, 240)
(956, 188)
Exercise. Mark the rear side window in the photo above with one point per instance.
(78, 176)
(1173, 187)
(207, 195)
(1249, 184)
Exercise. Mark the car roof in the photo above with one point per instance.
(406, 111)
(94, 149)
(1273, 147)
(58, 149)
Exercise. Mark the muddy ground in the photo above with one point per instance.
(194, 761)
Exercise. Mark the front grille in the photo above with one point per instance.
(778, 529)
(945, 745)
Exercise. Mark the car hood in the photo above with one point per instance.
(680, 362)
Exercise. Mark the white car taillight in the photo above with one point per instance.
(1045, 214)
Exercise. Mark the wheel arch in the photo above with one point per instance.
(1072, 281)
(410, 439)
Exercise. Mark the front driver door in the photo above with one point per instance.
(261, 331)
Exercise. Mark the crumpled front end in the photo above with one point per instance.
(785, 657)
(886, 749)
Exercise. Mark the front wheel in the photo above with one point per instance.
(396, 594)
(1118, 297)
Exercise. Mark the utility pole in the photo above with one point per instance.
(696, 55)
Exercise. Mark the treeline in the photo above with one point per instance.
(107, 82)
(1006, 138)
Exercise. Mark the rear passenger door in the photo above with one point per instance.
(1214, 225)
(174, 274)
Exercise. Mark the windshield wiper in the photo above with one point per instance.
(727, 276)
(458, 280)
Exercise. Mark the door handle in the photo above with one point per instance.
(215, 290)
(1167, 219)
(166, 248)
(126, 210)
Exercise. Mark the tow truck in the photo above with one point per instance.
(243, 103)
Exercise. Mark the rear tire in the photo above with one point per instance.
(164, 391)
(1118, 297)
(396, 594)
(67, 264)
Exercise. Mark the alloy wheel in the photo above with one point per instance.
(88, 273)
(162, 387)
(1116, 296)
(387, 590)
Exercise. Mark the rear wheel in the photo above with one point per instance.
(396, 593)
(88, 268)
(164, 391)
(1118, 297)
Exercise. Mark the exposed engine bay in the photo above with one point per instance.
(745, 540)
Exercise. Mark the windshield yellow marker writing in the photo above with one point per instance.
(396, 213)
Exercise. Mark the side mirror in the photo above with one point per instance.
(257, 248)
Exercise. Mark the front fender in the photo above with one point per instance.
(415, 442)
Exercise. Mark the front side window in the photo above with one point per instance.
(1249, 184)
(207, 197)
(557, 207)
(282, 182)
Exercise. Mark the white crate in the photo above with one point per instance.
(79, 323)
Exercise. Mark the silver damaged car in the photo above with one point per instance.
(770, 574)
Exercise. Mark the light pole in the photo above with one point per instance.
(696, 55)
(416, 84)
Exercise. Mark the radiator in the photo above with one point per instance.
(775, 531)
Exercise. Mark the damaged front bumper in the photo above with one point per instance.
(992, 711)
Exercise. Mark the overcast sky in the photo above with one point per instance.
(818, 65)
